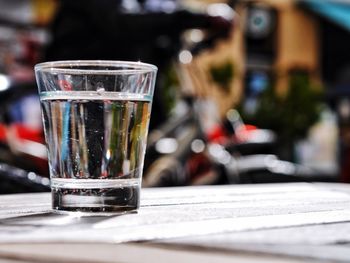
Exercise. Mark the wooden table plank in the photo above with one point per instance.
(296, 219)
(129, 253)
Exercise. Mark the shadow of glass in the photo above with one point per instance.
(54, 219)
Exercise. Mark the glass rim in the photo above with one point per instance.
(65, 66)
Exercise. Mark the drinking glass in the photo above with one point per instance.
(95, 116)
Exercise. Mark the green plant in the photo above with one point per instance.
(292, 115)
(170, 88)
(222, 75)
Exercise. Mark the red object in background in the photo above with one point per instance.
(218, 135)
(25, 132)
(19, 134)
(22, 132)
(243, 134)
(2, 133)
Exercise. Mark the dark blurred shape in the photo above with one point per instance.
(16, 180)
(334, 18)
(260, 34)
(149, 31)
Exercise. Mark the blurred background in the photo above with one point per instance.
(247, 91)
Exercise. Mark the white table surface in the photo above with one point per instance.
(298, 222)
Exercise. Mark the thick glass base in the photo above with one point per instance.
(117, 199)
